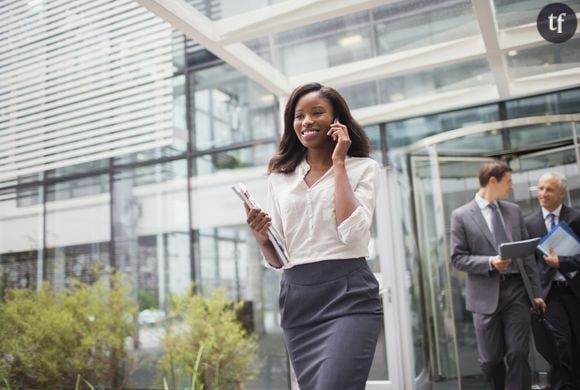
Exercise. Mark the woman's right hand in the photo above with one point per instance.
(259, 222)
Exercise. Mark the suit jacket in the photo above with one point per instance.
(473, 243)
(537, 228)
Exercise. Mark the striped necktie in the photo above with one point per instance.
(552, 221)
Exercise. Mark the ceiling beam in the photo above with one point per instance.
(391, 65)
(185, 18)
(521, 37)
(287, 15)
(485, 13)
(425, 105)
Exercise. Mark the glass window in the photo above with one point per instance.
(227, 108)
(417, 23)
(565, 102)
(84, 168)
(361, 95)
(257, 155)
(151, 230)
(21, 259)
(78, 229)
(512, 13)
(85, 186)
(227, 256)
(437, 80)
(407, 131)
(538, 61)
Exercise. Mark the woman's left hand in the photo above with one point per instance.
(339, 134)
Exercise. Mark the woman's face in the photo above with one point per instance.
(313, 116)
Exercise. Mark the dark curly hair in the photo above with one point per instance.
(291, 151)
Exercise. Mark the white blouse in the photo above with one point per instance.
(305, 216)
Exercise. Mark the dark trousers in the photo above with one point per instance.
(563, 313)
(503, 338)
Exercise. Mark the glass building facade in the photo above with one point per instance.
(121, 137)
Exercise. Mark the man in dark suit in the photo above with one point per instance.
(560, 279)
(499, 292)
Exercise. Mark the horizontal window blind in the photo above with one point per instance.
(81, 81)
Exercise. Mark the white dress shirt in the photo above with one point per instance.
(548, 221)
(306, 216)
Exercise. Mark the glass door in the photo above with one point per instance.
(442, 175)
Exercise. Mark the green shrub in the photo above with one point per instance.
(206, 328)
(48, 338)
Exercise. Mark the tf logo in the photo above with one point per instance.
(557, 23)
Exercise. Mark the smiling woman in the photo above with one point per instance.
(322, 188)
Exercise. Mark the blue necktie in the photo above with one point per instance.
(552, 221)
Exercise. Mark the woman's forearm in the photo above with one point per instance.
(270, 254)
(345, 201)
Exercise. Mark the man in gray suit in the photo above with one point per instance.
(497, 290)
(560, 279)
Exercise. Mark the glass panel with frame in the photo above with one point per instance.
(513, 13)
(216, 10)
(537, 61)
(382, 30)
(21, 235)
(151, 245)
(435, 264)
(459, 183)
(227, 256)
(414, 294)
(227, 108)
(72, 251)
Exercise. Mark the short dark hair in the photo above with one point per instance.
(291, 151)
(494, 168)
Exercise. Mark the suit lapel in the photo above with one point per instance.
(480, 222)
(563, 214)
(542, 224)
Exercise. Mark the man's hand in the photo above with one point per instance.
(500, 264)
(539, 305)
(552, 259)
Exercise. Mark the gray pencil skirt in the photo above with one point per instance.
(331, 315)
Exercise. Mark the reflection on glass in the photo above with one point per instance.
(73, 251)
(528, 137)
(459, 183)
(359, 36)
(435, 264)
(480, 144)
(257, 155)
(151, 230)
(565, 102)
(437, 80)
(20, 240)
(227, 256)
(512, 13)
(407, 131)
(227, 108)
(219, 9)
(544, 59)
(418, 23)
(361, 95)
(85, 168)
(412, 263)
(85, 186)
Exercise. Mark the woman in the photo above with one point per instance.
(321, 195)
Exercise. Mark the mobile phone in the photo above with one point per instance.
(334, 138)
